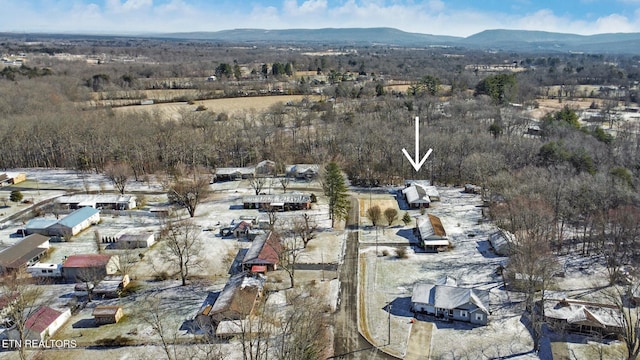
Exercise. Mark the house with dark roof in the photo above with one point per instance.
(24, 253)
(303, 171)
(582, 317)
(96, 266)
(431, 233)
(42, 324)
(264, 253)
(446, 300)
(233, 173)
(235, 302)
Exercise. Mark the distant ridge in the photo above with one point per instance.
(498, 39)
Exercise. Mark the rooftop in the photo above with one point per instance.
(86, 261)
(78, 216)
(23, 251)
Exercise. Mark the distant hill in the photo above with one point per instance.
(507, 40)
(361, 36)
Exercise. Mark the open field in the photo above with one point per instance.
(229, 106)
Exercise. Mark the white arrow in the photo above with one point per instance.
(417, 163)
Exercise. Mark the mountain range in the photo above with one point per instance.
(505, 40)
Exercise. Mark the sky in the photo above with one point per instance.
(438, 17)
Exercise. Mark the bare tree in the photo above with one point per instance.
(23, 299)
(189, 191)
(152, 315)
(97, 240)
(257, 183)
(305, 227)
(284, 183)
(90, 277)
(374, 214)
(302, 330)
(391, 214)
(289, 255)
(119, 174)
(182, 246)
(629, 320)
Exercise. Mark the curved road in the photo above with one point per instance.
(348, 343)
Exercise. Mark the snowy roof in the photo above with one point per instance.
(229, 293)
(303, 168)
(501, 240)
(583, 313)
(430, 228)
(449, 297)
(291, 198)
(94, 198)
(78, 216)
(416, 195)
(235, 170)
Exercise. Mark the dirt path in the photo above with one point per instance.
(419, 341)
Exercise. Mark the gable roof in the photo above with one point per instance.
(583, 313)
(449, 296)
(23, 251)
(86, 261)
(40, 320)
(265, 249)
(239, 293)
(78, 216)
(430, 226)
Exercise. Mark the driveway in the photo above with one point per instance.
(419, 347)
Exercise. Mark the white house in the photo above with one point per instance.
(75, 222)
(431, 233)
(98, 201)
(42, 324)
(45, 270)
(446, 300)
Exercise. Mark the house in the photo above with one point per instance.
(39, 226)
(25, 252)
(431, 233)
(446, 300)
(235, 302)
(501, 240)
(303, 171)
(12, 178)
(265, 168)
(104, 314)
(278, 202)
(135, 241)
(420, 193)
(264, 254)
(98, 201)
(240, 229)
(75, 222)
(45, 270)
(233, 173)
(582, 316)
(96, 266)
(42, 324)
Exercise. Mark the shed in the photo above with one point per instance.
(133, 241)
(24, 253)
(501, 240)
(103, 314)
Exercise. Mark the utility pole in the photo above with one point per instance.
(389, 324)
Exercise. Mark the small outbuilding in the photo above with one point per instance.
(134, 241)
(103, 314)
(264, 254)
(501, 240)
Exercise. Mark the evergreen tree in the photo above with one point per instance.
(335, 189)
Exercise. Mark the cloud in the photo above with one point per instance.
(291, 7)
(127, 6)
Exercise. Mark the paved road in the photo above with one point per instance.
(348, 343)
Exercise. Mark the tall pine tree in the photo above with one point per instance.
(335, 189)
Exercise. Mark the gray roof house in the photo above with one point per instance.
(303, 171)
(23, 253)
(280, 202)
(446, 300)
(582, 316)
(75, 222)
(98, 201)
